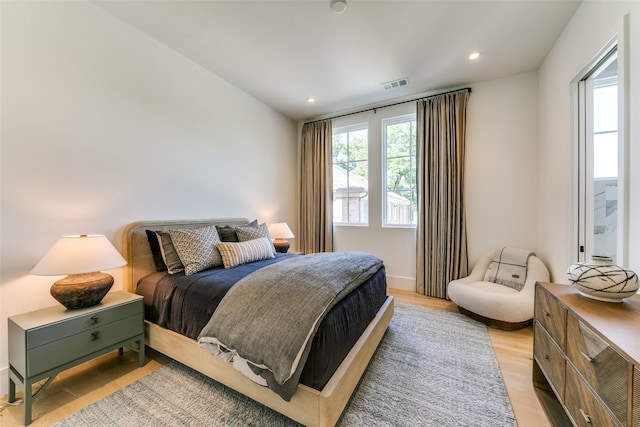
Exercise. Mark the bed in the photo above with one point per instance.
(319, 406)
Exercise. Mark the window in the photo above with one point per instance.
(399, 194)
(351, 175)
(600, 205)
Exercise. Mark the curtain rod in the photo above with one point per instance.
(468, 89)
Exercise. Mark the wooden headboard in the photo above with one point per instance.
(135, 245)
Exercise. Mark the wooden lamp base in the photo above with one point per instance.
(81, 290)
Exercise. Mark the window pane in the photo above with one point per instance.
(605, 212)
(358, 145)
(350, 175)
(604, 149)
(605, 106)
(605, 155)
(339, 147)
(399, 175)
(399, 140)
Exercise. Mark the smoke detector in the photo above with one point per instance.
(395, 84)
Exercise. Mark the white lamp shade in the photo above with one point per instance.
(79, 254)
(280, 230)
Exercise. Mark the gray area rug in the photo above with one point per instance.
(432, 368)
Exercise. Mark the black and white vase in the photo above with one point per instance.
(602, 280)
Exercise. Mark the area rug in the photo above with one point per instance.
(432, 368)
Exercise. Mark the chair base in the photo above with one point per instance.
(493, 323)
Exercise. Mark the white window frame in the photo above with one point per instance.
(582, 162)
(385, 122)
(347, 129)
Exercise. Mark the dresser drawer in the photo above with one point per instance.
(56, 331)
(550, 359)
(584, 408)
(551, 315)
(606, 371)
(71, 348)
(636, 396)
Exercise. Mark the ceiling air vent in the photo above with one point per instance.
(395, 84)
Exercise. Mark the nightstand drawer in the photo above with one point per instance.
(53, 332)
(583, 407)
(551, 315)
(601, 366)
(74, 347)
(550, 359)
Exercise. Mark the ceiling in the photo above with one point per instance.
(283, 52)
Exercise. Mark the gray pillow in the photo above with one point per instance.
(227, 233)
(169, 254)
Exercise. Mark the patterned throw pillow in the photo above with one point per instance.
(196, 248)
(246, 233)
(234, 254)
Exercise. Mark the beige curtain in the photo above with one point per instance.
(316, 188)
(442, 235)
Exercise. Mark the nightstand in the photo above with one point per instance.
(45, 342)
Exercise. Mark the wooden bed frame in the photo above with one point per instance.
(308, 406)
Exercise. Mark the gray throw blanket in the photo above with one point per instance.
(509, 267)
(266, 322)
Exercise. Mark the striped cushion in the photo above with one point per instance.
(196, 248)
(237, 253)
(246, 233)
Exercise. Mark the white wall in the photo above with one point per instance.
(594, 24)
(102, 126)
(502, 165)
(501, 178)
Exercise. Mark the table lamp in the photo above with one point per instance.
(81, 257)
(280, 232)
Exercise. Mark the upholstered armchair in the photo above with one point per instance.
(504, 307)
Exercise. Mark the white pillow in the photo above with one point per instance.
(237, 253)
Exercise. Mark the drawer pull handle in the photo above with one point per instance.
(586, 416)
(546, 356)
(546, 313)
(586, 356)
(94, 320)
(95, 335)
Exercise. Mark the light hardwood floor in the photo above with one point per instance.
(78, 387)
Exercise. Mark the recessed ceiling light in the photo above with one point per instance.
(474, 55)
(311, 100)
(338, 6)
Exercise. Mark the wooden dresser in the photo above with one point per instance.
(586, 358)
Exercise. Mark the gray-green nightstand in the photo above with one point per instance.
(45, 342)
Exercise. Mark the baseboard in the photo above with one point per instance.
(403, 283)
